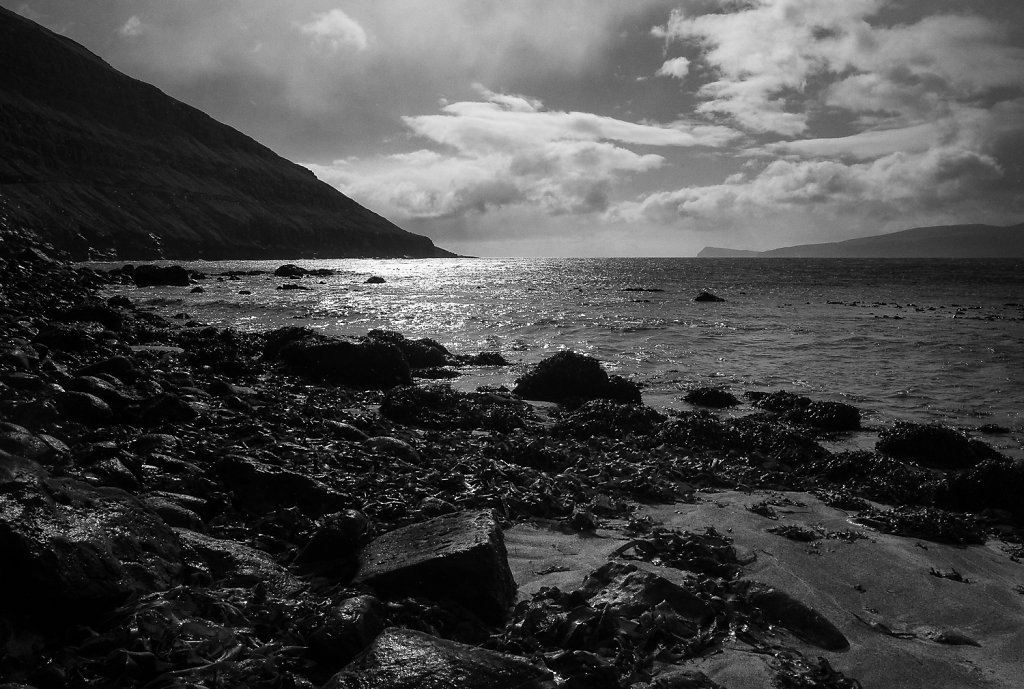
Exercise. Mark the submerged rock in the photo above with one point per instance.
(437, 558)
(567, 376)
(407, 659)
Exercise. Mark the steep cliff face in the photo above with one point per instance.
(100, 164)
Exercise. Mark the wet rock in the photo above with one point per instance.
(608, 418)
(707, 297)
(926, 523)
(121, 367)
(569, 376)
(173, 513)
(421, 353)
(28, 382)
(443, 408)
(487, 359)
(83, 408)
(778, 607)
(929, 445)
(197, 290)
(349, 628)
(715, 398)
(93, 311)
(993, 429)
(367, 364)
(156, 442)
(292, 286)
(344, 431)
(65, 338)
(338, 538)
(797, 409)
(290, 270)
(166, 408)
(375, 280)
(70, 548)
(259, 488)
(393, 447)
(992, 484)
(625, 590)
(153, 276)
(100, 388)
(236, 564)
(407, 659)
(434, 559)
(24, 444)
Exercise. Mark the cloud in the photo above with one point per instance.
(131, 28)
(777, 62)
(337, 30)
(677, 67)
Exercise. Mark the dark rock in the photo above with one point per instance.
(156, 442)
(121, 367)
(260, 488)
(173, 513)
(487, 359)
(83, 408)
(830, 416)
(20, 380)
(236, 564)
(992, 484)
(622, 390)
(930, 445)
(375, 280)
(197, 290)
(809, 625)
(421, 353)
(100, 388)
(993, 429)
(159, 276)
(367, 364)
(407, 659)
(292, 286)
(70, 548)
(344, 431)
(625, 590)
(393, 447)
(707, 297)
(290, 270)
(24, 444)
(337, 540)
(349, 628)
(166, 408)
(715, 398)
(65, 338)
(94, 311)
(567, 376)
(434, 559)
(608, 418)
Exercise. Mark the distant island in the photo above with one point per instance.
(947, 241)
(100, 165)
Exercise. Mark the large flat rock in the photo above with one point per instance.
(406, 659)
(455, 557)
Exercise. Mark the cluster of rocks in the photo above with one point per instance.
(202, 506)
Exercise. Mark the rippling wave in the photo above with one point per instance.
(926, 340)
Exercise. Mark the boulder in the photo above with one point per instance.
(290, 270)
(121, 367)
(435, 559)
(715, 398)
(930, 445)
(609, 418)
(375, 280)
(235, 564)
(338, 538)
(567, 376)
(259, 488)
(160, 276)
(83, 408)
(73, 549)
(367, 364)
(407, 659)
(421, 353)
(347, 629)
(707, 297)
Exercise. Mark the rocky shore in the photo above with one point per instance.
(189, 506)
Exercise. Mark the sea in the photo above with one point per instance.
(928, 340)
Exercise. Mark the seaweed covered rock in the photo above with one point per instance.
(992, 484)
(568, 376)
(158, 276)
(931, 445)
(69, 548)
(715, 398)
(435, 559)
(407, 659)
(608, 418)
(801, 410)
(347, 629)
(442, 407)
(259, 488)
(421, 353)
(366, 364)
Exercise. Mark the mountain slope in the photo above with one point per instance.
(100, 164)
(948, 241)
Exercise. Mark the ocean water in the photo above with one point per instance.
(920, 340)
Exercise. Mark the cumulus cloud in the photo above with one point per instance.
(337, 30)
(131, 28)
(677, 67)
(508, 149)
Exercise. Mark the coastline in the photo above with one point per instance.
(227, 454)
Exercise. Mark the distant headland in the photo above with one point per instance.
(947, 241)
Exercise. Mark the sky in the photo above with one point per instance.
(601, 127)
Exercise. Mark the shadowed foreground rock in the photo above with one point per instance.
(568, 376)
(405, 659)
(456, 557)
